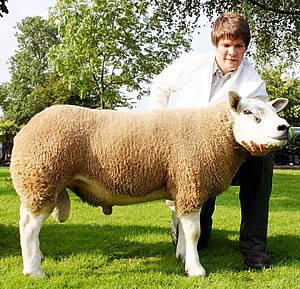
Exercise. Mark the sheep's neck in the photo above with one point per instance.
(224, 156)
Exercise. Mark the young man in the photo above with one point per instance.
(201, 79)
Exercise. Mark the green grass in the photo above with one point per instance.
(131, 248)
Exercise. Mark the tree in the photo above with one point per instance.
(55, 91)
(29, 68)
(8, 130)
(34, 86)
(274, 23)
(282, 84)
(111, 47)
(4, 92)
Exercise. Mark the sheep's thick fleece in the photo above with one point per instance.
(188, 156)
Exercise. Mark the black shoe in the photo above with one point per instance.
(256, 259)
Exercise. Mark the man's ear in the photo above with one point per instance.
(234, 100)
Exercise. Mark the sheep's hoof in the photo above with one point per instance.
(36, 274)
(107, 210)
(196, 272)
(180, 257)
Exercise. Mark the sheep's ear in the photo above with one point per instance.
(279, 103)
(234, 100)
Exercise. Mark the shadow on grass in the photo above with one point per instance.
(9, 241)
(222, 253)
(127, 242)
(115, 241)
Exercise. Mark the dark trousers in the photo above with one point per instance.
(255, 181)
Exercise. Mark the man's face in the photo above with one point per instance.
(229, 54)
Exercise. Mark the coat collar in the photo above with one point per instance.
(234, 75)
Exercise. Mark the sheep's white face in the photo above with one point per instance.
(257, 121)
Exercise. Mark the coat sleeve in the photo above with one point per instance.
(259, 90)
(166, 83)
(252, 85)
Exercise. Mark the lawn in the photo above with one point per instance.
(131, 248)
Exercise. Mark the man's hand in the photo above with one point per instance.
(257, 150)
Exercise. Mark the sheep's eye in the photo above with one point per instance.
(257, 119)
(247, 111)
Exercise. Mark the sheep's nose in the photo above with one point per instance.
(283, 127)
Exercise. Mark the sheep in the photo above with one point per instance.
(112, 158)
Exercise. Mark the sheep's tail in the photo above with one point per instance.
(61, 211)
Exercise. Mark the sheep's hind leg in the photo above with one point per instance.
(180, 248)
(30, 226)
(190, 224)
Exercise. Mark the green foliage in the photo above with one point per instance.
(8, 130)
(4, 92)
(55, 91)
(132, 247)
(293, 145)
(29, 69)
(29, 66)
(109, 48)
(280, 84)
(33, 85)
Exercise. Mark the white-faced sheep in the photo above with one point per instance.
(113, 158)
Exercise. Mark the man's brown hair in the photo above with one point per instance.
(230, 25)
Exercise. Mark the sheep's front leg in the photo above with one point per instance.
(189, 233)
(30, 226)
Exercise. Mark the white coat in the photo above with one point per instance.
(187, 83)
